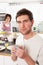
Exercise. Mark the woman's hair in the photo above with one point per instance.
(8, 15)
(24, 12)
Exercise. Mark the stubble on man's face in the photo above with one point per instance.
(26, 31)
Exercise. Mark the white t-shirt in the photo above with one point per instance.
(34, 46)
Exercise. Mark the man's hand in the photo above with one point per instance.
(20, 52)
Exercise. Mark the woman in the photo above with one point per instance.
(6, 26)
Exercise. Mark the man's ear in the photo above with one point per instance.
(32, 22)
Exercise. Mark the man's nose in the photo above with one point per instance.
(22, 24)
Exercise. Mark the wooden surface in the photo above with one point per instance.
(5, 54)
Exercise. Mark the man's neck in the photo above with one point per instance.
(30, 35)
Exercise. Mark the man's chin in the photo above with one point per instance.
(23, 33)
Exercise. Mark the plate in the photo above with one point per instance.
(1, 42)
(9, 47)
(2, 48)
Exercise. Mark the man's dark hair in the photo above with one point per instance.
(8, 15)
(24, 12)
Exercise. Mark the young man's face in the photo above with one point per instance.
(24, 24)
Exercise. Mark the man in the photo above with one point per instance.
(30, 44)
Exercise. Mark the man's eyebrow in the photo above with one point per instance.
(18, 21)
(25, 20)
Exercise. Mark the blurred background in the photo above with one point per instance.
(12, 6)
(7, 39)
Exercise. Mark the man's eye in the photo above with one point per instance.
(25, 20)
(18, 22)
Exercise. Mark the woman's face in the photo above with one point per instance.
(7, 19)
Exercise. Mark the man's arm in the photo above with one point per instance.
(39, 60)
(29, 60)
(21, 53)
(40, 56)
(13, 55)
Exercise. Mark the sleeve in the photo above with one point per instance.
(36, 63)
(40, 57)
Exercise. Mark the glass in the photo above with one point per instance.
(14, 40)
(6, 44)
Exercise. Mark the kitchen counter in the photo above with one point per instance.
(5, 51)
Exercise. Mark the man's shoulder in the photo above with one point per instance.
(39, 39)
